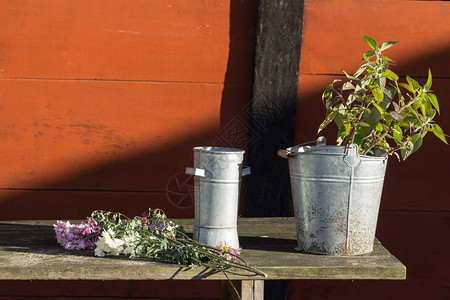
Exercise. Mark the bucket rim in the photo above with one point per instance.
(218, 150)
(313, 150)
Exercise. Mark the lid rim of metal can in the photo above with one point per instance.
(218, 150)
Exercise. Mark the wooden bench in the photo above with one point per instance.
(28, 251)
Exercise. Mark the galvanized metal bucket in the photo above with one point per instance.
(217, 174)
(336, 197)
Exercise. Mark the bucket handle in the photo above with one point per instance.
(246, 171)
(284, 153)
(202, 172)
(195, 172)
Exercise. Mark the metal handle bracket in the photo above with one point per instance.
(195, 172)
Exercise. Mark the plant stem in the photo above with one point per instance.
(378, 140)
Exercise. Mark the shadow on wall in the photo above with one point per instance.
(429, 168)
(415, 211)
(127, 184)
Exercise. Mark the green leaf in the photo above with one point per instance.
(431, 113)
(397, 137)
(388, 95)
(348, 127)
(382, 82)
(406, 86)
(417, 141)
(339, 118)
(331, 102)
(381, 110)
(387, 45)
(413, 83)
(427, 85)
(364, 124)
(327, 121)
(371, 42)
(377, 93)
(390, 75)
(438, 132)
(379, 127)
(353, 78)
(397, 116)
(348, 86)
(360, 70)
(396, 107)
(397, 134)
(409, 148)
(368, 55)
(385, 58)
(433, 101)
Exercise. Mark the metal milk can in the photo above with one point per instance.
(217, 175)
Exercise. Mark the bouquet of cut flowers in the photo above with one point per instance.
(151, 235)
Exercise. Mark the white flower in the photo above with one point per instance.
(100, 247)
(129, 243)
(107, 244)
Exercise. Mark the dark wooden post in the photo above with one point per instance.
(273, 107)
(272, 113)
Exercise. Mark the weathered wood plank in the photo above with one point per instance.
(113, 289)
(262, 248)
(54, 130)
(332, 39)
(242, 290)
(97, 135)
(186, 40)
(69, 204)
(420, 240)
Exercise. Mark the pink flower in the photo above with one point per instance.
(228, 252)
(90, 227)
(76, 237)
(68, 235)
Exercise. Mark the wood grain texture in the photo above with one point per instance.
(70, 204)
(115, 289)
(419, 240)
(273, 106)
(55, 129)
(332, 35)
(111, 97)
(262, 239)
(181, 41)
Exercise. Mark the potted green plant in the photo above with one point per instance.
(337, 189)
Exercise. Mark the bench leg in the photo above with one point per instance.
(247, 289)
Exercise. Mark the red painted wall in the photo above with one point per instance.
(102, 102)
(414, 222)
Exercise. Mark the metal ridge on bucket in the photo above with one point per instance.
(219, 150)
(330, 150)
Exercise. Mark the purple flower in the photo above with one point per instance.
(90, 227)
(77, 236)
(69, 235)
(161, 227)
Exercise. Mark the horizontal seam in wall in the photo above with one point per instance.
(415, 211)
(342, 75)
(122, 80)
(84, 190)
